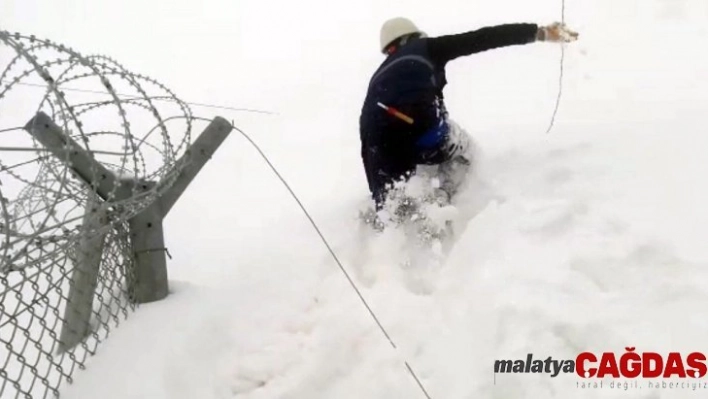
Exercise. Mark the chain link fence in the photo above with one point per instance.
(67, 263)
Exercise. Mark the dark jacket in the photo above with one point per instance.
(411, 80)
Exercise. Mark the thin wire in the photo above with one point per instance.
(32, 149)
(205, 105)
(17, 165)
(331, 252)
(11, 129)
(560, 76)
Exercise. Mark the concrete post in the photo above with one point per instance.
(147, 240)
(84, 277)
(195, 158)
(97, 176)
(146, 232)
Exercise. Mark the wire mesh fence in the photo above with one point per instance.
(66, 261)
(33, 307)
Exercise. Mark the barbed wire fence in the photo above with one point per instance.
(84, 187)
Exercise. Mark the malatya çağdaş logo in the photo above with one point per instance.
(629, 364)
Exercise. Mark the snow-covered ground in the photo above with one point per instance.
(591, 238)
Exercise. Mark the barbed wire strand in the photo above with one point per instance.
(560, 76)
(204, 105)
(332, 253)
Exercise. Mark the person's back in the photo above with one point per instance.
(409, 82)
(405, 82)
(403, 120)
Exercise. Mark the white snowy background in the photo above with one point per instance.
(591, 238)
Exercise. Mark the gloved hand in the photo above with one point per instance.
(556, 32)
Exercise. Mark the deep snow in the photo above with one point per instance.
(591, 238)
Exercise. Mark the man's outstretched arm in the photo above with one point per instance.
(446, 48)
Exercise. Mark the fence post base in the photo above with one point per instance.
(148, 244)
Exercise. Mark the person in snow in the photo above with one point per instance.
(404, 122)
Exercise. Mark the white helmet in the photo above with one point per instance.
(395, 28)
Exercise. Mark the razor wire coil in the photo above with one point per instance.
(128, 123)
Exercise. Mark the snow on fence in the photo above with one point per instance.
(92, 158)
